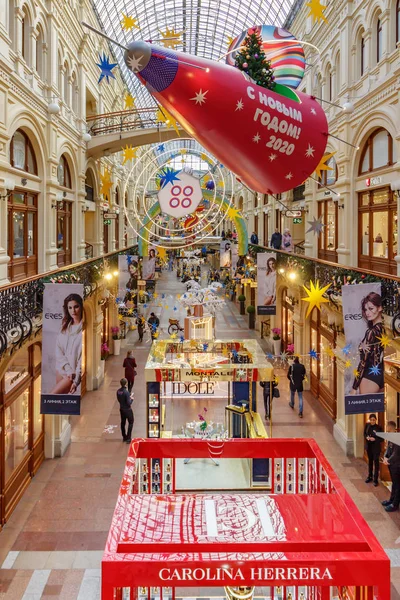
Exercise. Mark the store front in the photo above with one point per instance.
(328, 239)
(323, 367)
(22, 426)
(287, 319)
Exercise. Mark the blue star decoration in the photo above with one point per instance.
(375, 370)
(106, 68)
(313, 354)
(205, 346)
(181, 339)
(161, 148)
(346, 349)
(144, 305)
(169, 175)
(175, 308)
(269, 355)
(162, 295)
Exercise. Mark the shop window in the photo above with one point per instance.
(378, 152)
(379, 41)
(16, 420)
(329, 177)
(25, 36)
(287, 314)
(64, 173)
(378, 230)
(328, 239)
(105, 236)
(17, 372)
(323, 368)
(37, 417)
(299, 193)
(22, 235)
(64, 232)
(40, 55)
(21, 153)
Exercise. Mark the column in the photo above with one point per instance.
(342, 429)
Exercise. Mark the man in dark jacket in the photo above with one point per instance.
(373, 449)
(392, 459)
(254, 238)
(276, 240)
(154, 322)
(125, 410)
(296, 375)
(267, 385)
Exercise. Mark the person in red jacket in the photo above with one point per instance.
(130, 369)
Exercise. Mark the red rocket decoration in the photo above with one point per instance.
(272, 140)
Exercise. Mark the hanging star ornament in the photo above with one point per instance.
(316, 10)
(375, 370)
(129, 101)
(323, 166)
(170, 38)
(105, 184)
(356, 373)
(347, 364)
(313, 354)
(106, 68)
(129, 23)
(315, 296)
(162, 253)
(330, 352)
(163, 116)
(316, 225)
(346, 350)
(384, 340)
(233, 213)
(169, 175)
(128, 153)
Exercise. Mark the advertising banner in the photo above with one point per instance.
(149, 265)
(62, 349)
(128, 267)
(363, 327)
(225, 254)
(235, 258)
(266, 283)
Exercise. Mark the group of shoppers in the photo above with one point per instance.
(296, 375)
(282, 242)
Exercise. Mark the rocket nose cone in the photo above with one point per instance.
(137, 56)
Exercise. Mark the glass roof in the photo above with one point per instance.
(201, 27)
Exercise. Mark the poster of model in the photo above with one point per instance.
(234, 258)
(266, 283)
(128, 268)
(225, 254)
(363, 328)
(149, 265)
(62, 349)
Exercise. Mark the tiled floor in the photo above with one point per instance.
(52, 545)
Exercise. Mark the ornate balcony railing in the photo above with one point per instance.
(124, 120)
(21, 303)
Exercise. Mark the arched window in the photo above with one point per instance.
(116, 231)
(40, 56)
(11, 21)
(398, 22)
(363, 55)
(66, 84)
(74, 92)
(337, 75)
(21, 153)
(378, 152)
(25, 36)
(64, 173)
(330, 86)
(379, 41)
(329, 177)
(60, 74)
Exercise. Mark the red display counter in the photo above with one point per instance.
(304, 540)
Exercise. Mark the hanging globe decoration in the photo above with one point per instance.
(210, 185)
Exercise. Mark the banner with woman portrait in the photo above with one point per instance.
(225, 254)
(363, 328)
(149, 265)
(234, 258)
(62, 349)
(266, 283)
(128, 267)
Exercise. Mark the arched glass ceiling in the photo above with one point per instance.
(204, 26)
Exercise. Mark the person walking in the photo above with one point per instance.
(296, 375)
(140, 322)
(125, 411)
(287, 241)
(392, 460)
(254, 238)
(266, 385)
(276, 239)
(373, 449)
(130, 365)
(154, 323)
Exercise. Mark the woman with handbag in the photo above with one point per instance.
(130, 366)
(267, 385)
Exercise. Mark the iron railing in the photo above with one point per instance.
(21, 303)
(124, 120)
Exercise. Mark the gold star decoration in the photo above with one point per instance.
(384, 340)
(155, 295)
(170, 38)
(193, 343)
(315, 296)
(129, 101)
(166, 307)
(233, 213)
(230, 40)
(221, 183)
(105, 184)
(182, 151)
(163, 116)
(128, 23)
(162, 253)
(323, 166)
(204, 157)
(356, 373)
(330, 352)
(316, 10)
(347, 364)
(155, 334)
(129, 153)
(174, 336)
